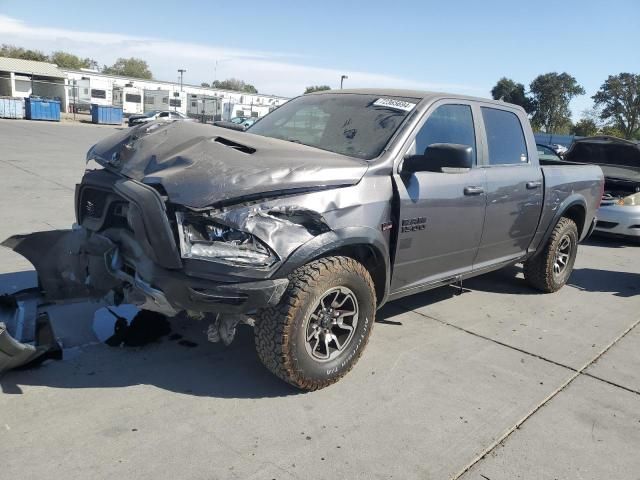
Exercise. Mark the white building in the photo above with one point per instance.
(23, 78)
(80, 88)
(159, 95)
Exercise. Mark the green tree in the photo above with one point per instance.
(317, 88)
(18, 52)
(129, 67)
(585, 127)
(205, 85)
(551, 94)
(509, 91)
(69, 60)
(234, 84)
(619, 98)
(612, 131)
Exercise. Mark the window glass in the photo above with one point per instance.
(358, 125)
(448, 124)
(547, 153)
(98, 93)
(505, 137)
(164, 114)
(133, 98)
(175, 102)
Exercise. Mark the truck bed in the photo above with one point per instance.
(565, 183)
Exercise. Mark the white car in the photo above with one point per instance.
(157, 115)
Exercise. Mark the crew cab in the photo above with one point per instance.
(315, 217)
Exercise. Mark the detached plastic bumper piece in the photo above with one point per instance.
(26, 335)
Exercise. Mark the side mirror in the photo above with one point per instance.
(438, 156)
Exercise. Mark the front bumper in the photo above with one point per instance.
(125, 249)
(619, 220)
(152, 287)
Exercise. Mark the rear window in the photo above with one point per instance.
(505, 137)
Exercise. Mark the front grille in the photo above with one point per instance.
(602, 224)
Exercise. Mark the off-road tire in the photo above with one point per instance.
(538, 271)
(280, 335)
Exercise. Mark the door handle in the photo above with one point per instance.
(532, 185)
(473, 190)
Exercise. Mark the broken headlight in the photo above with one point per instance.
(203, 238)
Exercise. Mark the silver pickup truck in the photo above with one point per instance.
(306, 224)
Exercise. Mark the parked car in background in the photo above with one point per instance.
(157, 115)
(559, 149)
(238, 120)
(249, 121)
(237, 123)
(619, 213)
(546, 153)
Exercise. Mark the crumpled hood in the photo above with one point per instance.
(201, 165)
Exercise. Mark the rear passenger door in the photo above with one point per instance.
(514, 188)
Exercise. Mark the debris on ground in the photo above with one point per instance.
(128, 326)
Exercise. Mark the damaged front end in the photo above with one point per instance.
(177, 218)
(133, 246)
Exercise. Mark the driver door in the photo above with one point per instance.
(441, 215)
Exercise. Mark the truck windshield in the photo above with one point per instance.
(358, 125)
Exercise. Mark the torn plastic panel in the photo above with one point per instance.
(70, 263)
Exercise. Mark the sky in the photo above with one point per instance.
(283, 46)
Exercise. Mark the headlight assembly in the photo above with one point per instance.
(632, 200)
(202, 238)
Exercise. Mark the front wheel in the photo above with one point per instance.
(320, 327)
(550, 270)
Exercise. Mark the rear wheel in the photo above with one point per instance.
(318, 331)
(550, 270)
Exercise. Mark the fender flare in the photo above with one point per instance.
(570, 201)
(333, 240)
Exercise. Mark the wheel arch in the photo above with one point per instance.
(364, 244)
(574, 208)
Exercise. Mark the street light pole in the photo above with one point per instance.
(342, 79)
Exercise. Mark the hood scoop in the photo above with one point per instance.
(235, 145)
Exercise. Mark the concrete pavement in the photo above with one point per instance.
(500, 382)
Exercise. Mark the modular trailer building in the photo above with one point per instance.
(192, 100)
(79, 89)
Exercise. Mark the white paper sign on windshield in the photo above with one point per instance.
(394, 103)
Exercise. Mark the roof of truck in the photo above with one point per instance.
(396, 92)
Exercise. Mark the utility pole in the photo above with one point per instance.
(342, 79)
(181, 71)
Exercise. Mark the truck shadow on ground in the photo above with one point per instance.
(197, 367)
(192, 367)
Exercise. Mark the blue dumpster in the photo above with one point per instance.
(42, 109)
(11, 107)
(106, 114)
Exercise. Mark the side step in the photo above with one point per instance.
(26, 334)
